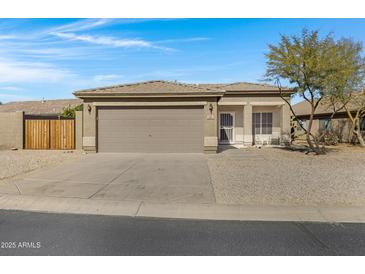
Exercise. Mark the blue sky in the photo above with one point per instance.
(51, 58)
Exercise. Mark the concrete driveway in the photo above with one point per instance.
(163, 178)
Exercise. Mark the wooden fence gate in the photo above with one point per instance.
(49, 134)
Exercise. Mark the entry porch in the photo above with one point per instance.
(248, 123)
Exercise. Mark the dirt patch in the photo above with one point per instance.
(14, 163)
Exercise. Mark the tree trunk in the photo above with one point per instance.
(359, 137)
(311, 139)
(357, 132)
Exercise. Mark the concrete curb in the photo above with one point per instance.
(186, 211)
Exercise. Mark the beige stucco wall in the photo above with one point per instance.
(210, 118)
(285, 125)
(211, 126)
(11, 130)
(89, 127)
(78, 130)
(242, 106)
(251, 100)
(342, 128)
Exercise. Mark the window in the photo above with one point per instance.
(325, 124)
(262, 122)
(266, 123)
(362, 124)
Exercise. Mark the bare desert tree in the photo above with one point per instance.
(312, 66)
(356, 112)
(345, 88)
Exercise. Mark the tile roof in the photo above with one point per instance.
(143, 88)
(148, 87)
(40, 107)
(243, 86)
(171, 87)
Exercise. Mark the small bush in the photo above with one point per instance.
(330, 139)
(69, 112)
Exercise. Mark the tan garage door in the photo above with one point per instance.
(150, 129)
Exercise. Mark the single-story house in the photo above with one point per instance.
(164, 116)
(339, 125)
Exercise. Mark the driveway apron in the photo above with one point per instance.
(163, 178)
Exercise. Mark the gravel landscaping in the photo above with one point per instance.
(251, 176)
(13, 163)
(274, 176)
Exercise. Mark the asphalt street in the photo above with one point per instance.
(29, 233)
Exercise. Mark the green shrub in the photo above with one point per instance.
(69, 112)
(330, 139)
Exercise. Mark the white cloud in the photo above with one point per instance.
(15, 72)
(87, 24)
(107, 77)
(183, 40)
(7, 37)
(102, 40)
(83, 24)
(11, 88)
(4, 97)
(57, 53)
(109, 41)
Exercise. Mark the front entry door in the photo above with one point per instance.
(226, 127)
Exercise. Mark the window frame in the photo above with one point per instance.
(267, 125)
(325, 120)
(362, 124)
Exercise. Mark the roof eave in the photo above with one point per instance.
(83, 95)
(259, 92)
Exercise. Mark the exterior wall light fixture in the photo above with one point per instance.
(211, 109)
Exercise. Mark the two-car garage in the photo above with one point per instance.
(150, 129)
(152, 116)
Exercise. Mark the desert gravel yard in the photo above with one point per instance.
(18, 162)
(251, 176)
(274, 176)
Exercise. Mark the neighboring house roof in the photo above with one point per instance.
(149, 88)
(176, 88)
(40, 107)
(303, 108)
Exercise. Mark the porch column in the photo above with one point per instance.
(285, 123)
(247, 125)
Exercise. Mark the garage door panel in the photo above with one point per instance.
(136, 113)
(123, 123)
(150, 129)
(178, 123)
